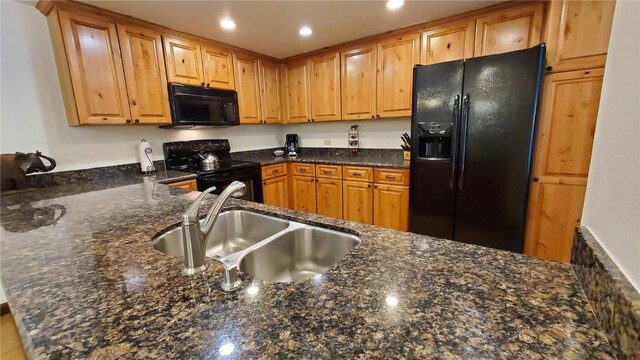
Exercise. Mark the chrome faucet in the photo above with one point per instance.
(194, 237)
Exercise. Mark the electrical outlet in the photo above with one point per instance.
(327, 142)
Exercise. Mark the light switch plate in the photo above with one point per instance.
(327, 142)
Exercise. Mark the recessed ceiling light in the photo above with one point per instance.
(305, 31)
(394, 4)
(227, 24)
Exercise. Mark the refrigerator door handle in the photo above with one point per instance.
(463, 133)
(454, 146)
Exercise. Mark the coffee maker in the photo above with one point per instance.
(291, 144)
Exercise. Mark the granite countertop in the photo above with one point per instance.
(83, 281)
(337, 156)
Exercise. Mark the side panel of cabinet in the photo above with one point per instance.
(325, 87)
(145, 73)
(358, 83)
(218, 68)
(329, 197)
(184, 62)
(358, 201)
(578, 35)
(303, 193)
(298, 100)
(276, 191)
(448, 42)
(247, 84)
(507, 30)
(557, 210)
(391, 206)
(95, 68)
(396, 58)
(270, 92)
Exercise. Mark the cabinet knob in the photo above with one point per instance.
(128, 121)
(549, 68)
(375, 186)
(137, 121)
(308, 120)
(202, 83)
(264, 183)
(208, 84)
(373, 116)
(378, 115)
(535, 179)
(312, 120)
(369, 186)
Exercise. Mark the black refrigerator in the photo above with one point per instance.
(472, 128)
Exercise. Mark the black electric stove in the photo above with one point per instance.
(184, 156)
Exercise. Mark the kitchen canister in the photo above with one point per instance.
(144, 152)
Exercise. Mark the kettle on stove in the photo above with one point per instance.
(208, 161)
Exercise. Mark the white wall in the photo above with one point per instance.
(612, 204)
(32, 115)
(378, 133)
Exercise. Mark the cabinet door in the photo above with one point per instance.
(298, 100)
(578, 34)
(184, 62)
(270, 92)
(507, 30)
(95, 66)
(358, 83)
(276, 191)
(448, 42)
(145, 74)
(303, 193)
(248, 88)
(329, 197)
(325, 87)
(396, 58)
(391, 206)
(555, 213)
(218, 68)
(358, 201)
(187, 185)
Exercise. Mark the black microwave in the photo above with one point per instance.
(194, 106)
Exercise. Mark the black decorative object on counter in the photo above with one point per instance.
(14, 167)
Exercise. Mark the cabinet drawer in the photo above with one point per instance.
(272, 171)
(355, 173)
(303, 169)
(391, 176)
(188, 185)
(329, 171)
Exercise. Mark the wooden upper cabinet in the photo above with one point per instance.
(396, 57)
(95, 70)
(448, 42)
(270, 92)
(507, 30)
(184, 61)
(298, 98)
(578, 33)
(248, 88)
(358, 82)
(145, 74)
(567, 124)
(325, 87)
(217, 67)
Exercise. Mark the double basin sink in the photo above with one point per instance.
(265, 247)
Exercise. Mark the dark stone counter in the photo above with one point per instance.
(385, 158)
(83, 281)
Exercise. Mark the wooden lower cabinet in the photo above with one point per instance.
(391, 206)
(188, 185)
(555, 211)
(276, 191)
(329, 197)
(303, 193)
(357, 201)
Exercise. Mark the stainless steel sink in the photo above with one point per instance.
(232, 232)
(297, 254)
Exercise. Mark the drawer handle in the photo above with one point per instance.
(391, 177)
(356, 174)
(302, 170)
(326, 171)
(275, 171)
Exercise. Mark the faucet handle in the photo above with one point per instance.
(190, 215)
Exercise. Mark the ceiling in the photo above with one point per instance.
(271, 27)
